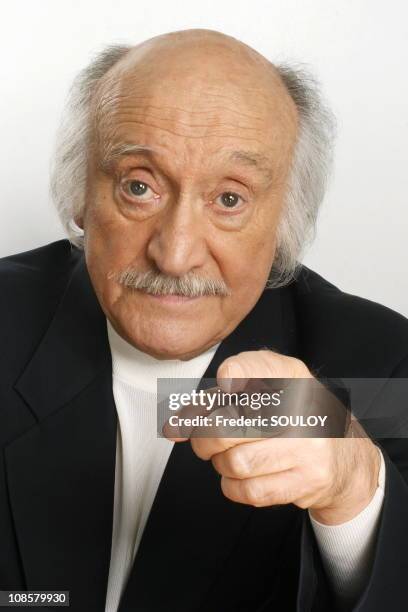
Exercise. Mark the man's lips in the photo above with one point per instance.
(173, 299)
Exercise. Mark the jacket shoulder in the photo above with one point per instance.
(39, 260)
(30, 278)
(32, 283)
(361, 337)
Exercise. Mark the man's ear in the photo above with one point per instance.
(79, 222)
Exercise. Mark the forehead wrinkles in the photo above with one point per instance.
(123, 103)
(218, 118)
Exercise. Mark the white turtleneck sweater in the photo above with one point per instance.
(141, 458)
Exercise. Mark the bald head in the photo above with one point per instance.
(199, 50)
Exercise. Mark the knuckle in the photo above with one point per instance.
(238, 462)
(229, 489)
(253, 491)
(217, 464)
(200, 448)
(285, 496)
(322, 474)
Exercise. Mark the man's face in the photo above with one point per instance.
(187, 177)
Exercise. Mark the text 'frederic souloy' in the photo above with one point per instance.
(222, 399)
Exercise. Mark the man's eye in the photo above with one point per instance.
(139, 189)
(229, 199)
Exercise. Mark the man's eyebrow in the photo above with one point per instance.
(115, 152)
(249, 158)
(256, 160)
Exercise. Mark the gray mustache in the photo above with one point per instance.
(157, 283)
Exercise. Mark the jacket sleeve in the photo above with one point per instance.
(386, 588)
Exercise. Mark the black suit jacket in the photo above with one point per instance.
(200, 552)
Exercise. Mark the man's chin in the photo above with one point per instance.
(166, 331)
(170, 343)
(172, 355)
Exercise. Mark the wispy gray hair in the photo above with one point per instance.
(311, 163)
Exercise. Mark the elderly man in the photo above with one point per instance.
(188, 175)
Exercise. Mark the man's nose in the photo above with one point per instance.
(177, 245)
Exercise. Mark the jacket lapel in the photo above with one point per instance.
(192, 528)
(61, 472)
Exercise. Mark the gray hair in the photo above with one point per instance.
(308, 175)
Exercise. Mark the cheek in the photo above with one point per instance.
(110, 238)
(246, 268)
(262, 241)
(111, 244)
(248, 258)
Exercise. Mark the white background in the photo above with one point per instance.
(357, 48)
